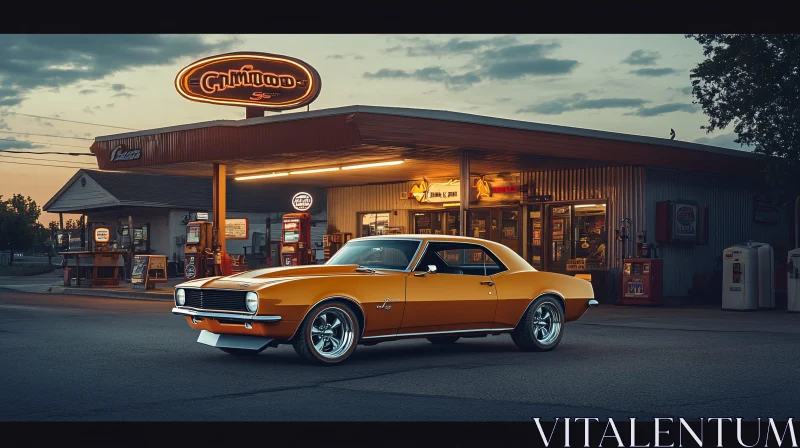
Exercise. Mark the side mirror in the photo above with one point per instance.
(431, 270)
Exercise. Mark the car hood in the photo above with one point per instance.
(259, 278)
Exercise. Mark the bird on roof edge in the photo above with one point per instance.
(671, 134)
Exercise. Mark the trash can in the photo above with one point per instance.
(793, 281)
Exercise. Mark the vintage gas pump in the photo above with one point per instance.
(198, 250)
(296, 240)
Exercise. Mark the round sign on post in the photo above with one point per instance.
(250, 79)
(302, 201)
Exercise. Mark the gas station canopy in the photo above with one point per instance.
(410, 143)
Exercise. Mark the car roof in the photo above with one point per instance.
(509, 257)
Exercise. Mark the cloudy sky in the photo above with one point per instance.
(635, 84)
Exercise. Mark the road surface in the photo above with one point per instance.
(87, 358)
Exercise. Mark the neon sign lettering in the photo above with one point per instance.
(213, 81)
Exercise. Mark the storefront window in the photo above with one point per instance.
(428, 223)
(578, 237)
(374, 223)
(479, 224)
(453, 223)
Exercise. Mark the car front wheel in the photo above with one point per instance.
(328, 335)
(541, 327)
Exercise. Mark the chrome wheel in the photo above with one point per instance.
(546, 323)
(332, 333)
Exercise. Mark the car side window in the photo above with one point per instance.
(460, 259)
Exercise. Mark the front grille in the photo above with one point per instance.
(216, 299)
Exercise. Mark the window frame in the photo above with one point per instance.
(411, 260)
(495, 258)
(359, 220)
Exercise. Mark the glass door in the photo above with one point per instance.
(452, 223)
(374, 223)
(535, 247)
(508, 230)
(560, 232)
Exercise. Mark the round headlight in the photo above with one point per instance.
(180, 297)
(251, 299)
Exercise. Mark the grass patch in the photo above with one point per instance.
(25, 270)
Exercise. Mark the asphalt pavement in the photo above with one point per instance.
(73, 358)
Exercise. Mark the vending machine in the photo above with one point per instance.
(643, 281)
(296, 240)
(198, 252)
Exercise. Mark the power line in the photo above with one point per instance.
(45, 135)
(34, 164)
(41, 160)
(71, 121)
(50, 152)
(41, 143)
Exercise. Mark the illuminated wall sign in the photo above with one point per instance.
(202, 216)
(121, 154)
(236, 229)
(505, 189)
(102, 235)
(443, 192)
(302, 201)
(247, 79)
(685, 220)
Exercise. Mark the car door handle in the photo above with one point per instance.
(487, 282)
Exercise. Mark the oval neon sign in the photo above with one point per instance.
(302, 201)
(249, 79)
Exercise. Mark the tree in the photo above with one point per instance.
(53, 226)
(753, 81)
(18, 223)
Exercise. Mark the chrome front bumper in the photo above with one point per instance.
(227, 316)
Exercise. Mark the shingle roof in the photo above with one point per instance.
(195, 193)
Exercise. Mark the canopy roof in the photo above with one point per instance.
(428, 141)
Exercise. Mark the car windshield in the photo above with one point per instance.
(377, 253)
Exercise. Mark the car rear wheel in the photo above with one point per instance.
(541, 327)
(444, 340)
(328, 335)
(238, 351)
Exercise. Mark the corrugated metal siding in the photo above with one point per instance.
(623, 187)
(730, 202)
(344, 204)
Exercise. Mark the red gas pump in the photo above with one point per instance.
(199, 251)
(296, 240)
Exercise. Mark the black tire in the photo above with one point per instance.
(305, 339)
(530, 336)
(238, 351)
(444, 340)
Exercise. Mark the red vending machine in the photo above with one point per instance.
(296, 240)
(642, 281)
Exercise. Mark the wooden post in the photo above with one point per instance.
(60, 220)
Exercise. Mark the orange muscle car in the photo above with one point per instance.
(384, 288)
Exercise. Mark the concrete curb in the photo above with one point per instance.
(129, 295)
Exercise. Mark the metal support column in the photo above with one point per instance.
(463, 194)
(219, 205)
